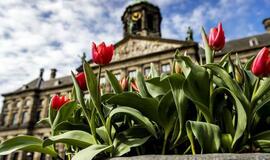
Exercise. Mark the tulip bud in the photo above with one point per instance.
(58, 101)
(134, 86)
(102, 54)
(80, 77)
(260, 65)
(239, 75)
(124, 83)
(216, 38)
(177, 68)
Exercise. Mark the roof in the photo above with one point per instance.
(39, 84)
(243, 44)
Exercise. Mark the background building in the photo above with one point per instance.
(141, 45)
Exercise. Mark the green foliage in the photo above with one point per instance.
(207, 108)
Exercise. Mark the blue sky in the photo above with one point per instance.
(53, 33)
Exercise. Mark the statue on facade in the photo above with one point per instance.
(189, 36)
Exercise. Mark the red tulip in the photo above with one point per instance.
(58, 101)
(123, 83)
(261, 64)
(134, 86)
(216, 38)
(80, 77)
(102, 54)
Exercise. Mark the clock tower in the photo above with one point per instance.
(142, 19)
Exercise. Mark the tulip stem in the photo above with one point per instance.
(100, 114)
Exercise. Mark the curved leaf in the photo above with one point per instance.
(136, 115)
(64, 113)
(114, 82)
(67, 126)
(141, 85)
(123, 146)
(230, 83)
(176, 81)
(25, 143)
(196, 86)
(207, 134)
(148, 106)
(157, 87)
(167, 114)
(76, 138)
(90, 152)
(264, 87)
(241, 114)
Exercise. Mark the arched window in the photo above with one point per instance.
(24, 117)
(28, 103)
(14, 119)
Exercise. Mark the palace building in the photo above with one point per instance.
(142, 44)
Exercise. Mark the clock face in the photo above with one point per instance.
(136, 16)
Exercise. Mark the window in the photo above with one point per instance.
(4, 157)
(42, 156)
(132, 74)
(24, 117)
(3, 119)
(38, 115)
(118, 76)
(253, 42)
(57, 83)
(28, 103)
(19, 104)
(146, 71)
(14, 119)
(150, 21)
(165, 68)
(15, 156)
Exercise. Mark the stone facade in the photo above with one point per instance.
(142, 44)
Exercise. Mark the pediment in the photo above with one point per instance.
(142, 46)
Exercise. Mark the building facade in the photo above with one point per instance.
(141, 45)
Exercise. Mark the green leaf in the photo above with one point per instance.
(241, 114)
(123, 146)
(157, 87)
(207, 134)
(196, 87)
(148, 106)
(80, 98)
(114, 82)
(44, 121)
(25, 143)
(141, 85)
(249, 63)
(64, 113)
(263, 88)
(226, 140)
(208, 52)
(176, 81)
(136, 115)
(103, 134)
(264, 145)
(262, 136)
(75, 138)
(167, 114)
(67, 126)
(90, 152)
(91, 82)
(230, 83)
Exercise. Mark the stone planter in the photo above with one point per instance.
(225, 156)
